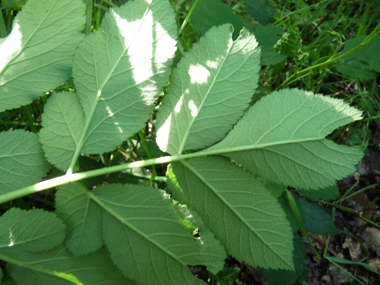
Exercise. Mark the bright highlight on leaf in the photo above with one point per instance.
(117, 71)
(281, 138)
(238, 208)
(37, 56)
(209, 90)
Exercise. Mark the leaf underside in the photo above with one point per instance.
(37, 55)
(82, 217)
(117, 71)
(31, 244)
(151, 230)
(238, 208)
(22, 161)
(58, 266)
(33, 230)
(281, 138)
(209, 91)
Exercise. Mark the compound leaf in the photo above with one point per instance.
(33, 230)
(37, 55)
(82, 216)
(117, 71)
(209, 90)
(57, 266)
(238, 208)
(281, 138)
(22, 161)
(156, 236)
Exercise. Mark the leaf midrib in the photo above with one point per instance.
(36, 267)
(200, 176)
(88, 119)
(30, 37)
(104, 206)
(190, 125)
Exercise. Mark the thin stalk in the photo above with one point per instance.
(292, 78)
(147, 151)
(30, 119)
(345, 271)
(350, 211)
(3, 27)
(297, 215)
(341, 199)
(83, 175)
(361, 190)
(70, 177)
(184, 23)
(16, 123)
(88, 17)
(328, 237)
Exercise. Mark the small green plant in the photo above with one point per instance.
(229, 163)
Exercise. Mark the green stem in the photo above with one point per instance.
(293, 206)
(188, 16)
(30, 119)
(306, 70)
(345, 271)
(147, 151)
(79, 176)
(3, 27)
(350, 211)
(17, 123)
(88, 17)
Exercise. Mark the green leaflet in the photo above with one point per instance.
(261, 10)
(316, 219)
(208, 91)
(267, 36)
(238, 208)
(63, 122)
(281, 138)
(33, 230)
(287, 277)
(82, 217)
(363, 63)
(30, 243)
(117, 72)
(214, 13)
(22, 161)
(328, 193)
(37, 55)
(156, 236)
(57, 266)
